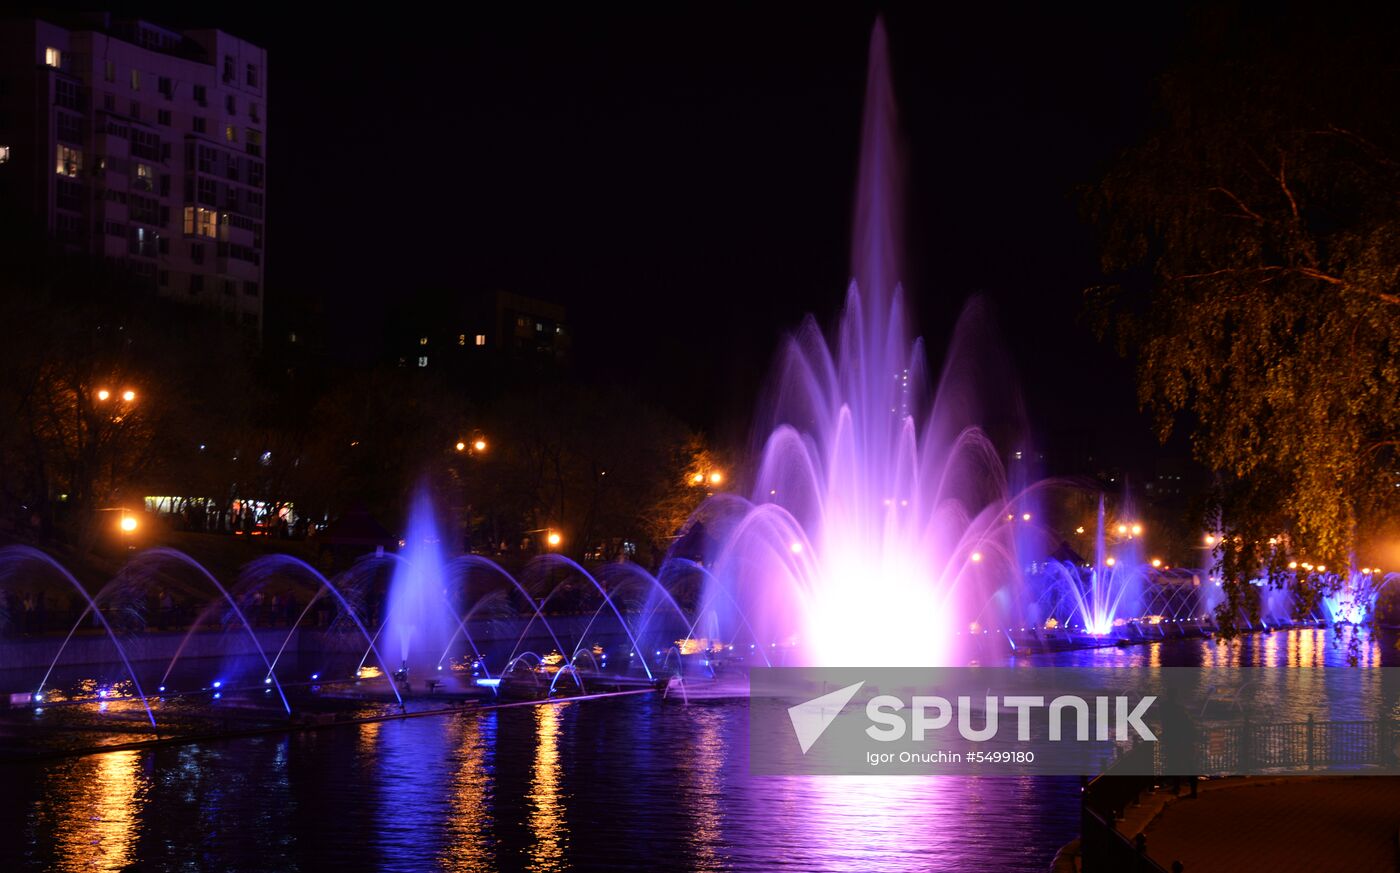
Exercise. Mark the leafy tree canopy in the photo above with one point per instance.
(1252, 242)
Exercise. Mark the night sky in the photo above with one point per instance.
(682, 181)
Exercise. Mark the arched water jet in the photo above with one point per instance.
(570, 563)
(15, 553)
(302, 566)
(182, 558)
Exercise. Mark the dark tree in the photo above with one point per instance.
(1253, 245)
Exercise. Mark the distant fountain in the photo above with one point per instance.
(419, 622)
(1352, 598)
(877, 527)
(1110, 591)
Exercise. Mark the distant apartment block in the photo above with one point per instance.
(145, 146)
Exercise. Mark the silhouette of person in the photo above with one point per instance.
(1178, 742)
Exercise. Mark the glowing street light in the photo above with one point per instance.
(1210, 539)
(103, 394)
(1079, 530)
(795, 548)
(1137, 530)
(461, 446)
(128, 395)
(128, 523)
(553, 538)
(1156, 562)
(479, 445)
(1292, 565)
(697, 479)
(716, 478)
(1025, 516)
(976, 557)
(1122, 529)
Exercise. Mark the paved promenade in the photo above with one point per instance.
(1285, 825)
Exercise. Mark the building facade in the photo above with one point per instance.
(144, 146)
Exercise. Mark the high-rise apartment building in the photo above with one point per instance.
(145, 146)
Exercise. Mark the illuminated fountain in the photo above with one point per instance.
(877, 528)
(419, 620)
(1110, 591)
(1351, 599)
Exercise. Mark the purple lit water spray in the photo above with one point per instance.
(876, 533)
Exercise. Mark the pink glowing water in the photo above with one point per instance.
(876, 530)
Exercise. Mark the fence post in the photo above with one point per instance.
(1310, 741)
(1246, 744)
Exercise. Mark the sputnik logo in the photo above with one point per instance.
(811, 719)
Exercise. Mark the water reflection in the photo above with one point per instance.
(469, 847)
(630, 783)
(547, 823)
(92, 811)
(702, 778)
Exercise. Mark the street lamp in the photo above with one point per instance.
(716, 478)
(128, 395)
(553, 538)
(461, 446)
(103, 394)
(479, 445)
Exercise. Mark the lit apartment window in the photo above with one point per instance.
(4, 154)
(422, 341)
(53, 57)
(423, 361)
(203, 222)
(145, 177)
(230, 133)
(70, 161)
(461, 339)
(481, 339)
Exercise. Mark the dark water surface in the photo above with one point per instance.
(620, 783)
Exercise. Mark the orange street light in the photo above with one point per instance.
(128, 523)
(553, 538)
(128, 395)
(479, 445)
(461, 446)
(1137, 530)
(1156, 562)
(716, 478)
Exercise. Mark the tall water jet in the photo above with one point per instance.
(419, 621)
(870, 538)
